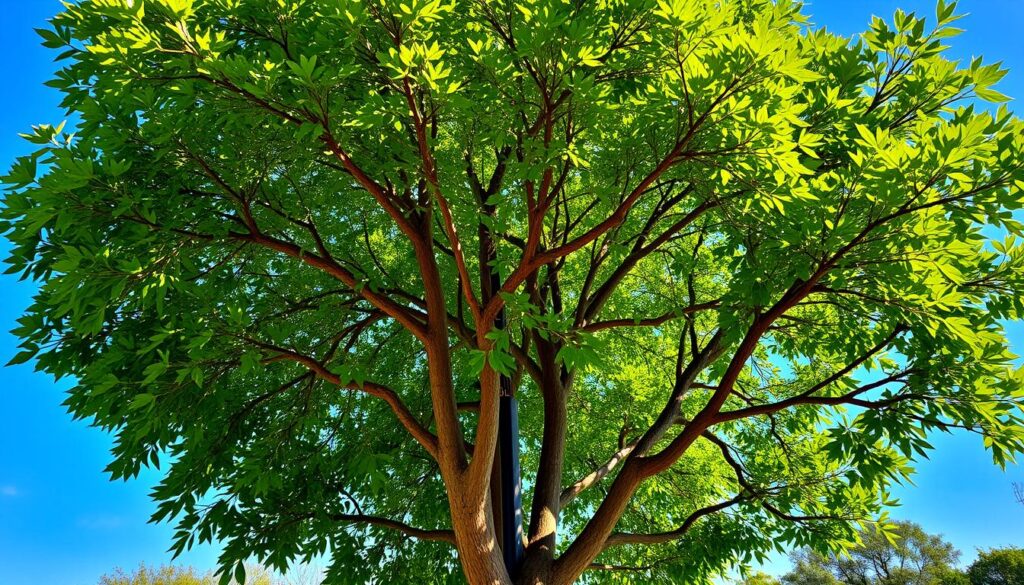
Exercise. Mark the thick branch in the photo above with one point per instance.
(430, 171)
(418, 533)
(653, 321)
(423, 436)
(597, 475)
(403, 315)
(620, 538)
(532, 262)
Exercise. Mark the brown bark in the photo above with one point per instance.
(475, 538)
(585, 549)
(543, 531)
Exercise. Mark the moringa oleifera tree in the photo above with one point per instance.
(747, 266)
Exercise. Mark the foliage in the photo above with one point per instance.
(809, 568)
(166, 575)
(735, 268)
(902, 555)
(759, 578)
(998, 566)
(175, 575)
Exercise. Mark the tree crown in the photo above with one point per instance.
(737, 269)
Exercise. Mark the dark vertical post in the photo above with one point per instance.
(511, 524)
(511, 498)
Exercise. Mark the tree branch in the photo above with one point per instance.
(447, 536)
(621, 538)
(423, 436)
(430, 171)
(650, 322)
(569, 493)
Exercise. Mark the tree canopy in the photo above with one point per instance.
(735, 267)
(175, 575)
(759, 578)
(902, 555)
(998, 566)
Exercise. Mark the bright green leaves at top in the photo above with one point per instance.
(984, 77)
(419, 13)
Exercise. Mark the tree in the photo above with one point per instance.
(998, 566)
(809, 568)
(172, 575)
(736, 270)
(906, 555)
(759, 578)
(166, 575)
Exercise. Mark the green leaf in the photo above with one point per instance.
(142, 401)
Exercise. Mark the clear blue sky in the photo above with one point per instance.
(63, 523)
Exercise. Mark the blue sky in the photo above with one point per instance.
(61, 520)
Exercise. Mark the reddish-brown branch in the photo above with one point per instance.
(418, 533)
(838, 375)
(636, 469)
(409, 319)
(847, 398)
(372, 187)
(569, 493)
(620, 538)
(532, 261)
(430, 171)
(653, 321)
(641, 249)
(423, 436)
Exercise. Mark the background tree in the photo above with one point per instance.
(759, 578)
(901, 554)
(809, 568)
(166, 575)
(998, 566)
(176, 575)
(746, 268)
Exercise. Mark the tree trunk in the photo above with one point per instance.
(536, 571)
(475, 539)
(547, 490)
